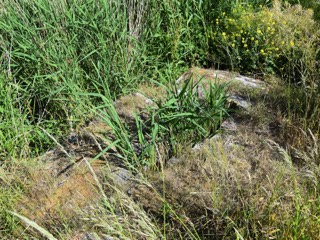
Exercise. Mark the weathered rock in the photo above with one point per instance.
(122, 178)
(237, 84)
(222, 77)
(237, 101)
(52, 196)
(128, 105)
(173, 161)
(90, 236)
(68, 178)
(189, 182)
(228, 125)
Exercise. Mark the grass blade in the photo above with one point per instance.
(33, 224)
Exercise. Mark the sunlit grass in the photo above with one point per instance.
(64, 63)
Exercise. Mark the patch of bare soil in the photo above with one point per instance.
(53, 196)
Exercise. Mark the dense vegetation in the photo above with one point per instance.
(62, 61)
(53, 51)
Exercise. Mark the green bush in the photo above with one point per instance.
(265, 40)
(191, 114)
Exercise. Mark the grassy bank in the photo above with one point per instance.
(63, 63)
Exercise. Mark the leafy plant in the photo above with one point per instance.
(193, 112)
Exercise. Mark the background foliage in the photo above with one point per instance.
(53, 50)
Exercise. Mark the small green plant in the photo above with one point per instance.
(185, 116)
(193, 112)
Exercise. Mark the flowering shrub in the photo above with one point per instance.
(264, 39)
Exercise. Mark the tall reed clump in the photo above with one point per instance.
(53, 49)
(177, 31)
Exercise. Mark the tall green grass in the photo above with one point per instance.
(52, 49)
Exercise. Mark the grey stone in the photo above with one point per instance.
(108, 238)
(90, 236)
(122, 178)
(247, 81)
(229, 125)
(173, 161)
(240, 101)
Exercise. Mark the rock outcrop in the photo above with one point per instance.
(72, 178)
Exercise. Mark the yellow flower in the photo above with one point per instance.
(256, 41)
(233, 45)
(252, 38)
(291, 43)
(277, 49)
(223, 34)
(262, 51)
(282, 42)
(245, 45)
(259, 31)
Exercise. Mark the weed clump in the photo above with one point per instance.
(184, 117)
